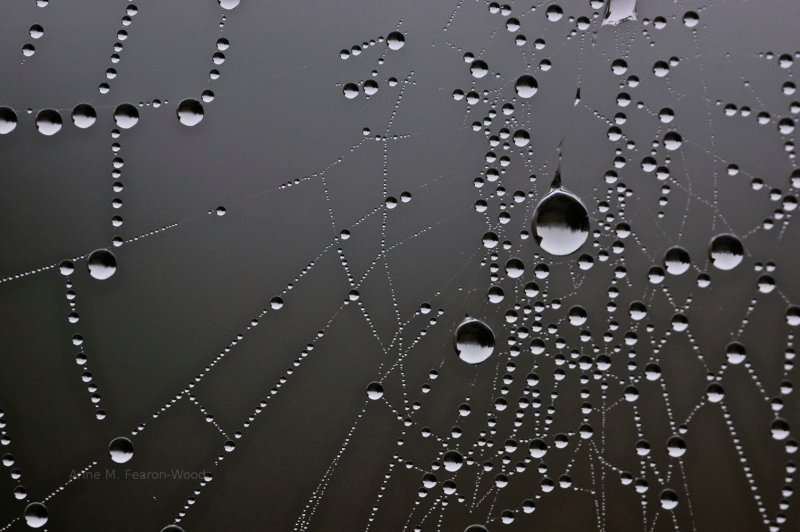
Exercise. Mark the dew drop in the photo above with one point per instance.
(474, 341)
(36, 515)
(452, 461)
(126, 116)
(478, 69)
(668, 499)
(676, 260)
(726, 252)
(526, 86)
(374, 391)
(228, 4)
(395, 40)
(350, 90)
(190, 112)
(102, 264)
(8, 120)
(84, 116)
(120, 449)
(560, 222)
(618, 11)
(48, 122)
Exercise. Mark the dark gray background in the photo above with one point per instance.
(181, 296)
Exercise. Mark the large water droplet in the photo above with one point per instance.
(190, 112)
(102, 264)
(48, 122)
(228, 4)
(478, 68)
(36, 515)
(676, 260)
(126, 116)
(84, 115)
(395, 40)
(374, 391)
(618, 11)
(526, 86)
(560, 222)
(474, 341)
(8, 120)
(726, 252)
(120, 449)
(452, 461)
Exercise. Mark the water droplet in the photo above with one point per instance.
(120, 449)
(779, 429)
(478, 68)
(374, 391)
(618, 11)
(474, 341)
(36, 515)
(84, 115)
(560, 222)
(452, 461)
(726, 252)
(735, 353)
(228, 4)
(190, 112)
(577, 316)
(350, 91)
(126, 116)
(102, 264)
(668, 499)
(395, 40)
(676, 260)
(48, 122)
(8, 120)
(526, 86)
(676, 447)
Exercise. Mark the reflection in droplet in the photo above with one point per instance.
(84, 115)
(474, 341)
(126, 116)
(48, 122)
(676, 260)
(102, 264)
(560, 222)
(526, 86)
(8, 120)
(618, 11)
(190, 112)
(726, 252)
(120, 449)
(36, 515)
